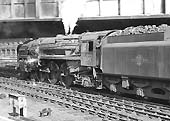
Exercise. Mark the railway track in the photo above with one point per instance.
(107, 108)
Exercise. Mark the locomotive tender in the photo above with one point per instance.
(134, 63)
(137, 64)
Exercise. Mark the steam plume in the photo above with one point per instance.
(70, 12)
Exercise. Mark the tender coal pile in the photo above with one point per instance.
(141, 30)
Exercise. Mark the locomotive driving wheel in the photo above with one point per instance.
(43, 76)
(67, 79)
(54, 75)
(34, 76)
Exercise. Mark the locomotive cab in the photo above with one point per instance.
(90, 48)
(90, 56)
(88, 53)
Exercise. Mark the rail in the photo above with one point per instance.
(104, 107)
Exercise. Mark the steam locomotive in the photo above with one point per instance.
(134, 60)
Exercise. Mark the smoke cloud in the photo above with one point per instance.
(70, 12)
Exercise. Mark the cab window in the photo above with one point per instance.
(90, 45)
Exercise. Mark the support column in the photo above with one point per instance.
(143, 6)
(100, 8)
(12, 9)
(119, 8)
(37, 9)
(163, 6)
